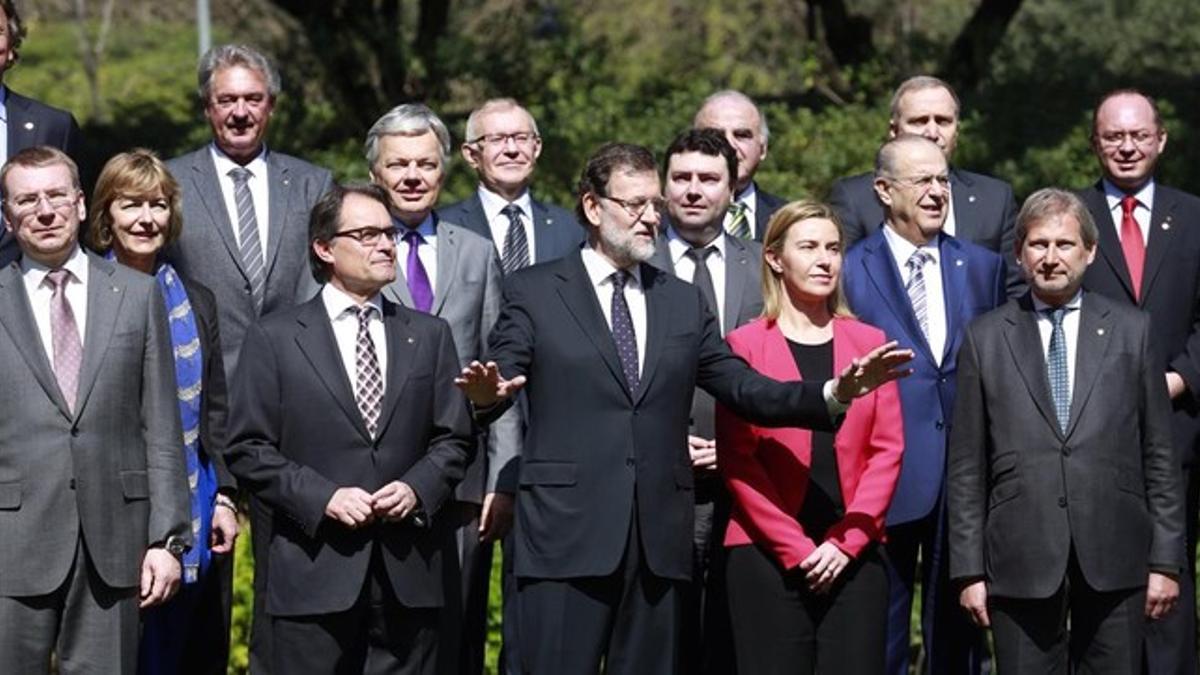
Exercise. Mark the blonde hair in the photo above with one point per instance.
(137, 174)
(781, 222)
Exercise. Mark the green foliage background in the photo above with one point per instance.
(635, 70)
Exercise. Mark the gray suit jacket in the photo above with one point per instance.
(742, 302)
(112, 471)
(1022, 494)
(555, 230)
(467, 296)
(207, 250)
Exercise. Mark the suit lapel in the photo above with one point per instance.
(1095, 336)
(401, 345)
(279, 194)
(954, 280)
(21, 125)
(963, 201)
(658, 313)
(1025, 348)
(475, 218)
(576, 293)
(545, 231)
(737, 266)
(397, 291)
(448, 243)
(1162, 236)
(881, 268)
(105, 297)
(1110, 245)
(208, 191)
(316, 341)
(22, 330)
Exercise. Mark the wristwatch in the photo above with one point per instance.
(176, 546)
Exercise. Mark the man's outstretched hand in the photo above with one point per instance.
(868, 372)
(484, 386)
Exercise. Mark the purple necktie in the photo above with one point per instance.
(418, 280)
(64, 338)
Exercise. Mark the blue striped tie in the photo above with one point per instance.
(916, 288)
(1056, 368)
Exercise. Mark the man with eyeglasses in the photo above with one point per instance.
(612, 349)
(449, 271)
(980, 209)
(745, 127)
(503, 145)
(345, 421)
(1149, 257)
(93, 491)
(922, 287)
(245, 211)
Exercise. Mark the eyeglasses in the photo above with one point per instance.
(367, 236)
(636, 208)
(924, 183)
(1115, 139)
(520, 138)
(28, 202)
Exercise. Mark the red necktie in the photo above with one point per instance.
(1131, 243)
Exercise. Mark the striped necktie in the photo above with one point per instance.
(249, 244)
(516, 246)
(916, 287)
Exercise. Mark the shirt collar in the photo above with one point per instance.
(600, 269)
(427, 228)
(1114, 194)
(3, 104)
(902, 249)
(1075, 302)
(337, 302)
(76, 264)
(678, 246)
(256, 166)
(494, 203)
(749, 197)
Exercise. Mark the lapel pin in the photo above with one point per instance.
(116, 290)
(549, 221)
(29, 125)
(287, 181)
(1166, 226)
(410, 341)
(1099, 331)
(971, 198)
(958, 263)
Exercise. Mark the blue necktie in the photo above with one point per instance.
(1056, 368)
(622, 330)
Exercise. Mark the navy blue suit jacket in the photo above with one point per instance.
(973, 281)
(555, 230)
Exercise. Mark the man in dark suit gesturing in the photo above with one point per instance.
(345, 421)
(503, 145)
(613, 349)
(1064, 491)
(93, 492)
(1149, 257)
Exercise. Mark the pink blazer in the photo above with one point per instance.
(767, 469)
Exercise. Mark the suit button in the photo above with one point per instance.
(939, 425)
(71, 484)
(629, 461)
(74, 432)
(1066, 451)
(1062, 501)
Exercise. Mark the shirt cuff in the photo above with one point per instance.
(836, 407)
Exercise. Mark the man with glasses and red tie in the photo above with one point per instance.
(1149, 256)
(446, 270)
(345, 421)
(612, 349)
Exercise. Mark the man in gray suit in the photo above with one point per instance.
(453, 273)
(245, 214)
(699, 172)
(93, 495)
(1065, 500)
(503, 146)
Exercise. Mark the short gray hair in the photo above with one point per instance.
(1050, 202)
(741, 98)
(492, 105)
(227, 56)
(921, 83)
(407, 119)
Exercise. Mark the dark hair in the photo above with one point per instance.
(326, 216)
(606, 160)
(16, 29)
(710, 142)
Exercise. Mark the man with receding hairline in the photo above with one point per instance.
(1149, 257)
(745, 127)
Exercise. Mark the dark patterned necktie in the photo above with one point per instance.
(516, 246)
(368, 380)
(1056, 368)
(622, 330)
(249, 243)
(703, 278)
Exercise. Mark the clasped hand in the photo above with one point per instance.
(355, 507)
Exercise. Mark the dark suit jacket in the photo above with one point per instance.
(973, 283)
(214, 402)
(207, 250)
(555, 231)
(296, 436)
(33, 123)
(1170, 292)
(985, 213)
(1022, 494)
(590, 439)
(766, 207)
(110, 471)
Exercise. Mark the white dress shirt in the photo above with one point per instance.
(40, 291)
(257, 182)
(685, 267)
(749, 197)
(342, 311)
(600, 272)
(935, 299)
(427, 252)
(951, 224)
(498, 222)
(1070, 332)
(1141, 212)
(3, 123)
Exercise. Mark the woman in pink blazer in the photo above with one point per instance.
(807, 587)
